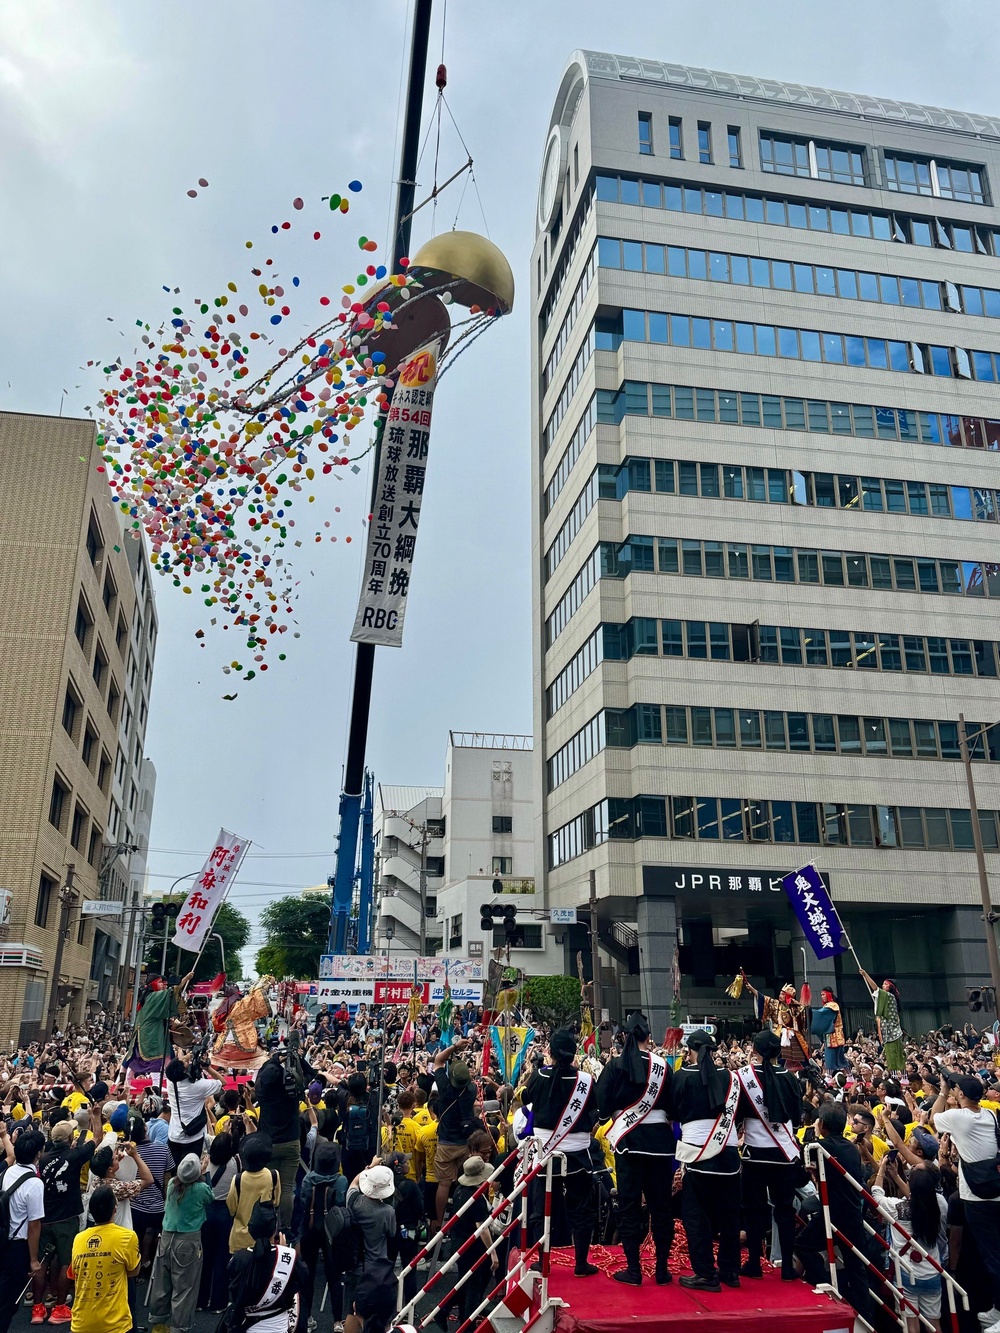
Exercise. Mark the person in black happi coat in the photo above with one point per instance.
(644, 1156)
(548, 1092)
(705, 1102)
(772, 1165)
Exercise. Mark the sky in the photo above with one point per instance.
(113, 110)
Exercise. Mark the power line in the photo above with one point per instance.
(260, 856)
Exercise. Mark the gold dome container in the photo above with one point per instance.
(483, 275)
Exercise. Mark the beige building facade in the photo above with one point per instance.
(77, 638)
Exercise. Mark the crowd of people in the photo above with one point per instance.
(293, 1195)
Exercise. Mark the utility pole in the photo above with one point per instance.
(424, 839)
(68, 895)
(595, 956)
(137, 961)
(989, 915)
(364, 661)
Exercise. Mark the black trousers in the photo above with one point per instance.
(641, 1175)
(983, 1218)
(13, 1279)
(763, 1181)
(710, 1206)
(572, 1195)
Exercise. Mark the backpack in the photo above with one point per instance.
(983, 1178)
(274, 1184)
(358, 1135)
(5, 1197)
(333, 1195)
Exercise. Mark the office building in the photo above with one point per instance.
(78, 628)
(474, 839)
(765, 496)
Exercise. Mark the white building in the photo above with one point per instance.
(474, 831)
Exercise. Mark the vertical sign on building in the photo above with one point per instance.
(210, 888)
(399, 492)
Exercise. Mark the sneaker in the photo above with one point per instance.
(61, 1314)
(338, 1326)
(994, 1328)
(39, 1313)
(989, 1316)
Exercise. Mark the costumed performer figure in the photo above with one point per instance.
(789, 1018)
(235, 1020)
(829, 1024)
(563, 1110)
(635, 1087)
(161, 1008)
(705, 1099)
(770, 1108)
(890, 1029)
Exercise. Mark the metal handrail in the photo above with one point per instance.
(544, 1163)
(952, 1287)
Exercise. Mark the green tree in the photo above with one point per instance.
(230, 923)
(296, 932)
(553, 1000)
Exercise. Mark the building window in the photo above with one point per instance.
(70, 713)
(455, 932)
(435, 828)
(503, 865)
(78, 828)
(57, 802)
(576, 165)
(95, 542)
(46, 892)
(109, 595)
(114, 698)
(435, 866)
(89, 746)
(99, 668)
(503, 824)
(936, 178)
(104, 772)
(676, 141)
(94, 846)
(121, 635)
(82, 624)
(704, 141)
(788, 156)
(735, 148)
(532, 936)
(81, 930)
(645, 133)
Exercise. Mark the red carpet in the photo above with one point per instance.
(598, 1305)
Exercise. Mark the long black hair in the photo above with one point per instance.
(925, 1212)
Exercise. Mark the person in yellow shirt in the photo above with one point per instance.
(423, 1161)
(420, 1112)
(607, 1152)
(105, 1256)
(235, 1112)
(404, 1138)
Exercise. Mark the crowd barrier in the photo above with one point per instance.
(904, 1307)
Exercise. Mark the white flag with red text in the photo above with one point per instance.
(195, 918)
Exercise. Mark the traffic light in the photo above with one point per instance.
(975, 998)
(162, 913)
(486, 919)
(513, 933)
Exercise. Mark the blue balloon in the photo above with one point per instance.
(355, 186)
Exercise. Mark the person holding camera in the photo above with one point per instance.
(975, 1134)
(186, 1097)
(278, 1091)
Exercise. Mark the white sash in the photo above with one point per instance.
(284, 1262)
(571, 1115)
(635, 1114)
(776, 1129)
(719, 1130)
(533, 1149)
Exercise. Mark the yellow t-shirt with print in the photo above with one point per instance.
(250, 1118)
(427, 1139)
(404, 1139)
(75, 1100)
(103, 1258)
(601, 1135)
(421, 1116)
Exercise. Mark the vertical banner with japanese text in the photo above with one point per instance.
(815, 911)
(195, 918)
(399, 491)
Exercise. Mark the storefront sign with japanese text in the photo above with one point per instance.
(399, 494)
(195, 918)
